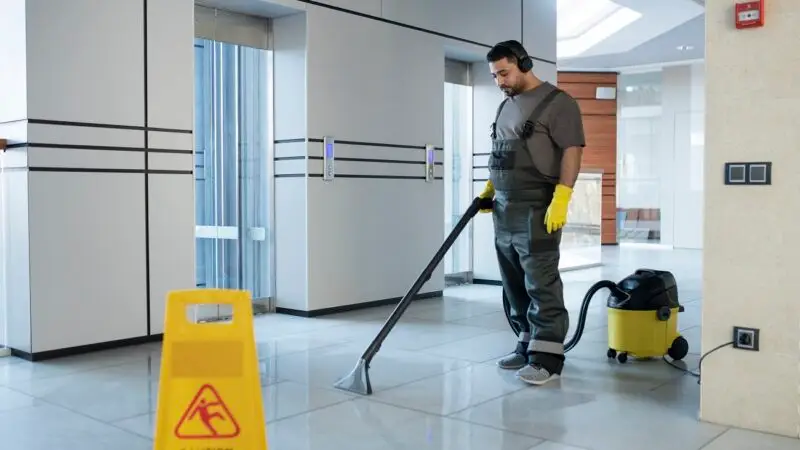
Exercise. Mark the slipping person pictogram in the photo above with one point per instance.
(207, 417)
(202, 409)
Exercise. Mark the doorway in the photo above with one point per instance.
(457, 167)
(232, 170)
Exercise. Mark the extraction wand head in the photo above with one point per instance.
(357, 381)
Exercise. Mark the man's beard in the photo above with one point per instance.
(509, 91)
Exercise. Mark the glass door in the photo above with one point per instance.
(458, 177)
(231, 169)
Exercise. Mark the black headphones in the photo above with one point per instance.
(524, 61)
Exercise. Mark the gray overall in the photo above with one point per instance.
(528, 256)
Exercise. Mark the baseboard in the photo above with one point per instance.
(487, 282)
(457, 279)
(82, 349)
(354, 307)
(611, 244)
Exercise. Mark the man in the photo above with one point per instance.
(537, 144)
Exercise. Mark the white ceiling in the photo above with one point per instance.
(666, 31)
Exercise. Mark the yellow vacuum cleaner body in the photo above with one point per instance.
(643, 317)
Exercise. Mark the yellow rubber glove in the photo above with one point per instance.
(488, 192)
(556, 216)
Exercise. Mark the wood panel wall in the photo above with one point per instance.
(600, 126)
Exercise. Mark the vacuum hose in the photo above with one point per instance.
(587, 299)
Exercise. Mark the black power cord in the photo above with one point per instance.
(700, 364)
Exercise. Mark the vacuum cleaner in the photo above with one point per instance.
(642, 316)
(642, 313)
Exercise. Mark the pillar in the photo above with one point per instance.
(751, 239)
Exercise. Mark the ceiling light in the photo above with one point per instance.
(619, 19)
(576, 17)
(685, 47)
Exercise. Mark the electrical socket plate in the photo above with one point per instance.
(745, 338)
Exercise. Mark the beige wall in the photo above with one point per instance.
(752, 239)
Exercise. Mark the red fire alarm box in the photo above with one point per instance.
(750, 14)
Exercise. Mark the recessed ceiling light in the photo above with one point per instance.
(685, 47)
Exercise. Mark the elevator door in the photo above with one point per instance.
(231, 170)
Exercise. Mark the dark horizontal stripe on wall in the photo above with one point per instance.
(290, 158)
(480, 167)
(290, 175)
(481, 180)
(105, 170)
(375, 177)
(107, 125)
(289, 141)
(481, 154)
(356, 307)
(487, 282)
(374, 160)
(405, 25)
(358, 143)
(101, 147)
(80, 350)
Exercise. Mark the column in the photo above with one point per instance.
(751, 234)
(99, 216)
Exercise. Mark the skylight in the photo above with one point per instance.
(582, 24)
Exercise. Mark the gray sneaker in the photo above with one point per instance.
(516, 360)
(535, 374)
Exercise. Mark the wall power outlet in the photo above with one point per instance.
(746, 338)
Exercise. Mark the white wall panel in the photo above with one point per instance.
(370, 238)
(387, 89)
(172, 162)
(85, 61)
(85, 159)
(539, 28)
(485, 22)
(291, 246)
(87, 258)
(170, 63)
(78, 135)
(172, 241)
(290, 76)
(170, 140)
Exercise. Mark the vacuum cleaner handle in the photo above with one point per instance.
(476, 205)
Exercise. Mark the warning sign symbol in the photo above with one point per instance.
(207, 417)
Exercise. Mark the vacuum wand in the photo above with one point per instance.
(357, 380)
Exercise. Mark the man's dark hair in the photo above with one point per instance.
(511, 50)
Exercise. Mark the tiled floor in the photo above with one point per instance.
(436, 384)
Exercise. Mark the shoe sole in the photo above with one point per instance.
(516, 367)
(538, 382)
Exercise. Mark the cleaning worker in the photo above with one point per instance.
(537, 145)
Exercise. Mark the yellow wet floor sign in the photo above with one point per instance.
(209, 395)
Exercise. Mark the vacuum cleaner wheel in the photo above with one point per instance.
(679, 348)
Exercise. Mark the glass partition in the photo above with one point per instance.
(580, 242)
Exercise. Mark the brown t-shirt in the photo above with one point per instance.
(559, 127)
